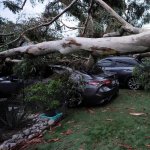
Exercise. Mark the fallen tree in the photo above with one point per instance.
(111, 43)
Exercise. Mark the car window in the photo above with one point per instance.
(105, 63)
(121, 64)
(134, 62)
(125, 63)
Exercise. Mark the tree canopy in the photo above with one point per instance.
(95, 18)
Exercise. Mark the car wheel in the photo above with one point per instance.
(133, 84)
(75, 101)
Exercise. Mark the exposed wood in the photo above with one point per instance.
(12, 60)
(88, 19)
(137, 43)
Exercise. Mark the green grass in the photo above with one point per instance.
(110, 127)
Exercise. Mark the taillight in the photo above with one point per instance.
(106, 82)
(94, 83)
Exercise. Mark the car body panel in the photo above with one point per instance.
(93, 93)
(123, 66)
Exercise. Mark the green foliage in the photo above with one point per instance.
(7, 27)
(11, 6)
(137, 12)
(45, 95)
(142, 73)
(57, 92)
(31, 68)
(16, 6)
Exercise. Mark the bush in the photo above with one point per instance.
(35, 67)
(43, 95)
(142, 73)
(51, 95)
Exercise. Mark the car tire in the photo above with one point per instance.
(75, 101)
(133, 84)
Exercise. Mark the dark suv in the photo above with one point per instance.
(123, 66)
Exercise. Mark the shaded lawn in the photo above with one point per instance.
(110, 127)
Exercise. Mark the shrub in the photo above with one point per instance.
(142, 73)
(32, 68)
(43, 95)
(50, 95)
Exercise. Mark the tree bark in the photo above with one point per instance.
(137, 43)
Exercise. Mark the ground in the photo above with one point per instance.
(124, 124)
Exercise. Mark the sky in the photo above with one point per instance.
(36, 11)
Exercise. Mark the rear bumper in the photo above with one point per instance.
(94, 97)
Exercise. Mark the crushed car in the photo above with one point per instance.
(94, 88)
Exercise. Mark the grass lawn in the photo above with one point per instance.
(110, 127)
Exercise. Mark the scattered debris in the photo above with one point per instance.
(109, 119)
(128, 147)
(148, 146)
(68, 132)
(53, 140)
(136, 114)
(91, 111)
(69, 122)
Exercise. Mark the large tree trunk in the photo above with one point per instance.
(137, 43)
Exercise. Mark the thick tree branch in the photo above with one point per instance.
(137, 43)
(125, 25)
(87, 19)
(113, 13)
(12, 60)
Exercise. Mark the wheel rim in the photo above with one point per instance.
(133, 84)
